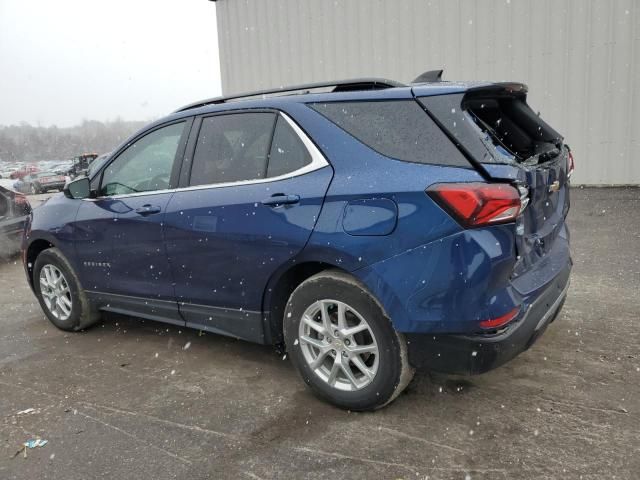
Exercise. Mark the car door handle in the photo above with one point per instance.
(148, 210)
(281, 199)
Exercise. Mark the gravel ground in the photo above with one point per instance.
(135, 399)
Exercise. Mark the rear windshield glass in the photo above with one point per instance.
(398, 129)
(495, 129)
(513, 125)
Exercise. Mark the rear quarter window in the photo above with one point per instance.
(288, 153)
(398, 129)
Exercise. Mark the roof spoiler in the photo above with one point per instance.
(430, 76)
(509, 89)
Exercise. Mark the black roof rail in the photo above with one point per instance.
(430, 76)
(339, 86)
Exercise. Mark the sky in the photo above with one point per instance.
(62, 61)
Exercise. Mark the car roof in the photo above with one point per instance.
(337, 91)
(343, 90)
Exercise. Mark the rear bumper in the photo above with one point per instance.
(472, 354)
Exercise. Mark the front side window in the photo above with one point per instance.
(232, 148)
(145, 165)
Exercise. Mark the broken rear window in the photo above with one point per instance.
(495, 127)
(513, 125)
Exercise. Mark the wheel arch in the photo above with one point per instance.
(34, 249)
(279, 289)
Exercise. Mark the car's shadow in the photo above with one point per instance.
(426, 387)
(8, 256)
(176, 337)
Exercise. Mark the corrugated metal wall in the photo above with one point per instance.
(580, 58)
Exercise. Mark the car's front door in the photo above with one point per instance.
(256, 186)
(125, 220)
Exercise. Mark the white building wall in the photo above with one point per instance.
(580, 58)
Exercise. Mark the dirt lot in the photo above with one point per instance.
(134, 399)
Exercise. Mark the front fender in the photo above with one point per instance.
(51, 223)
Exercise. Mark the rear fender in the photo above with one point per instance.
(447, 285)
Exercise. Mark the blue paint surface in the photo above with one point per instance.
(365, 214)
(374, 216)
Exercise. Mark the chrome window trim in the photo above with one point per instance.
(318, 161)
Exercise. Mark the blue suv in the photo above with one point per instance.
(367, 226)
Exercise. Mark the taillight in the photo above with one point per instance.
(501, 321)
(571, 166)
(477, 204)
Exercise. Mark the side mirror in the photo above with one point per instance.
(78, 188)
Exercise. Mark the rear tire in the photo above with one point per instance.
(60, 294)
(343, 344)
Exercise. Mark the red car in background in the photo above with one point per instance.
(22, 172)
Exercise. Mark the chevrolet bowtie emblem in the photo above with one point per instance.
(554, 187)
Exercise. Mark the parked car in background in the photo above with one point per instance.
(61, 168)
(41, 182)
(23, 171)
(14, 208)
(5, 173)
(371, 229)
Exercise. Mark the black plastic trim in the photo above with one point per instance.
(241, 324)
(149, 308)
(474, 354)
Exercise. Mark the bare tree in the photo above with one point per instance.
(25, 142)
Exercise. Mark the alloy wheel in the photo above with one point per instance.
(338, 345)
(55, 292)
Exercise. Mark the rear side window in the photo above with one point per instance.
(232, 148)
(288, 153)
(398, 129)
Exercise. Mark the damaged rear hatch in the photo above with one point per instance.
(507, 141)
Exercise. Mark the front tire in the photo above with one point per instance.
(343, 344)
(60, 294)
(34, 189)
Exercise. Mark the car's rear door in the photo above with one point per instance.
(253, 192)
(120, 243)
